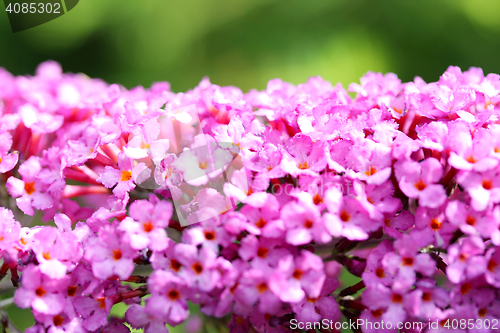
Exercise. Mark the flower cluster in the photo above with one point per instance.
(399, 184)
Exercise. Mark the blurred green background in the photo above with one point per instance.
(247, 42)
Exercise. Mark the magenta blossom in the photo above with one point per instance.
(418, 181)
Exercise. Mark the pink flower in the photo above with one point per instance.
(170, 294)
(311, 310)
(472, 153)
(492, 272)
(109, 254)
(30, 192)
(432, 227)
(427, 300)
(93, 311)
(385, 303)
(201, 163)
(264, 219)
(40, 292)
(200, 266)
(150, 317)
(7, 161)
(346, 216)
(263, 251)
(417, 180)
(254, 287)
(145, 142)
(10, 234)
(302, 219)
(406, 264)
(303, 157)
(148, 228)
(483, 188)
(466, 260)
(375, 272)
(56, 252)
(469, 221)
(369, 161)
(126, 177)
(293, 280)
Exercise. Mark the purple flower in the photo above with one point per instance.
(56, 252)
(492, 272)
(30, 192)
(200, 268)
(10, 233)
(466, 260)
(147, 230)
(110, 255)
(302, 219)
(418, 181)
(294, 279)
(40, 292)
(126, 177)
(385, 303)
(170, 294)
(7, 161)
(406, 263)
(483, 188)
(311, 310)
(346, 216)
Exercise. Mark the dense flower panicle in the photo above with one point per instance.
(249, 203)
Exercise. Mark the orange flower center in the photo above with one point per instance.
(303, 166)
(29, 187)
(396, 298)
(492, 264)
(209, 235)
(58, 320)
(471, 159)
(371, 171)
(407, 261)
(435, 224)
(175, 265)
(470, 220)
(40, 291)
(344, 216)
(317, 199)
(487, 184)
(262, 287)
(420, 185)
(102, 302)
(308, 224)
(147, 226)
(465, 288)
(261, 223)
(126, 176)
(72, 290)
(197, 267)
(174, 295)
(262, 252)
(117, 254)
(297, 274)
(203, 165)
(380, 272)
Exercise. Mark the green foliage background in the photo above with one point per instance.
(248, 42)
